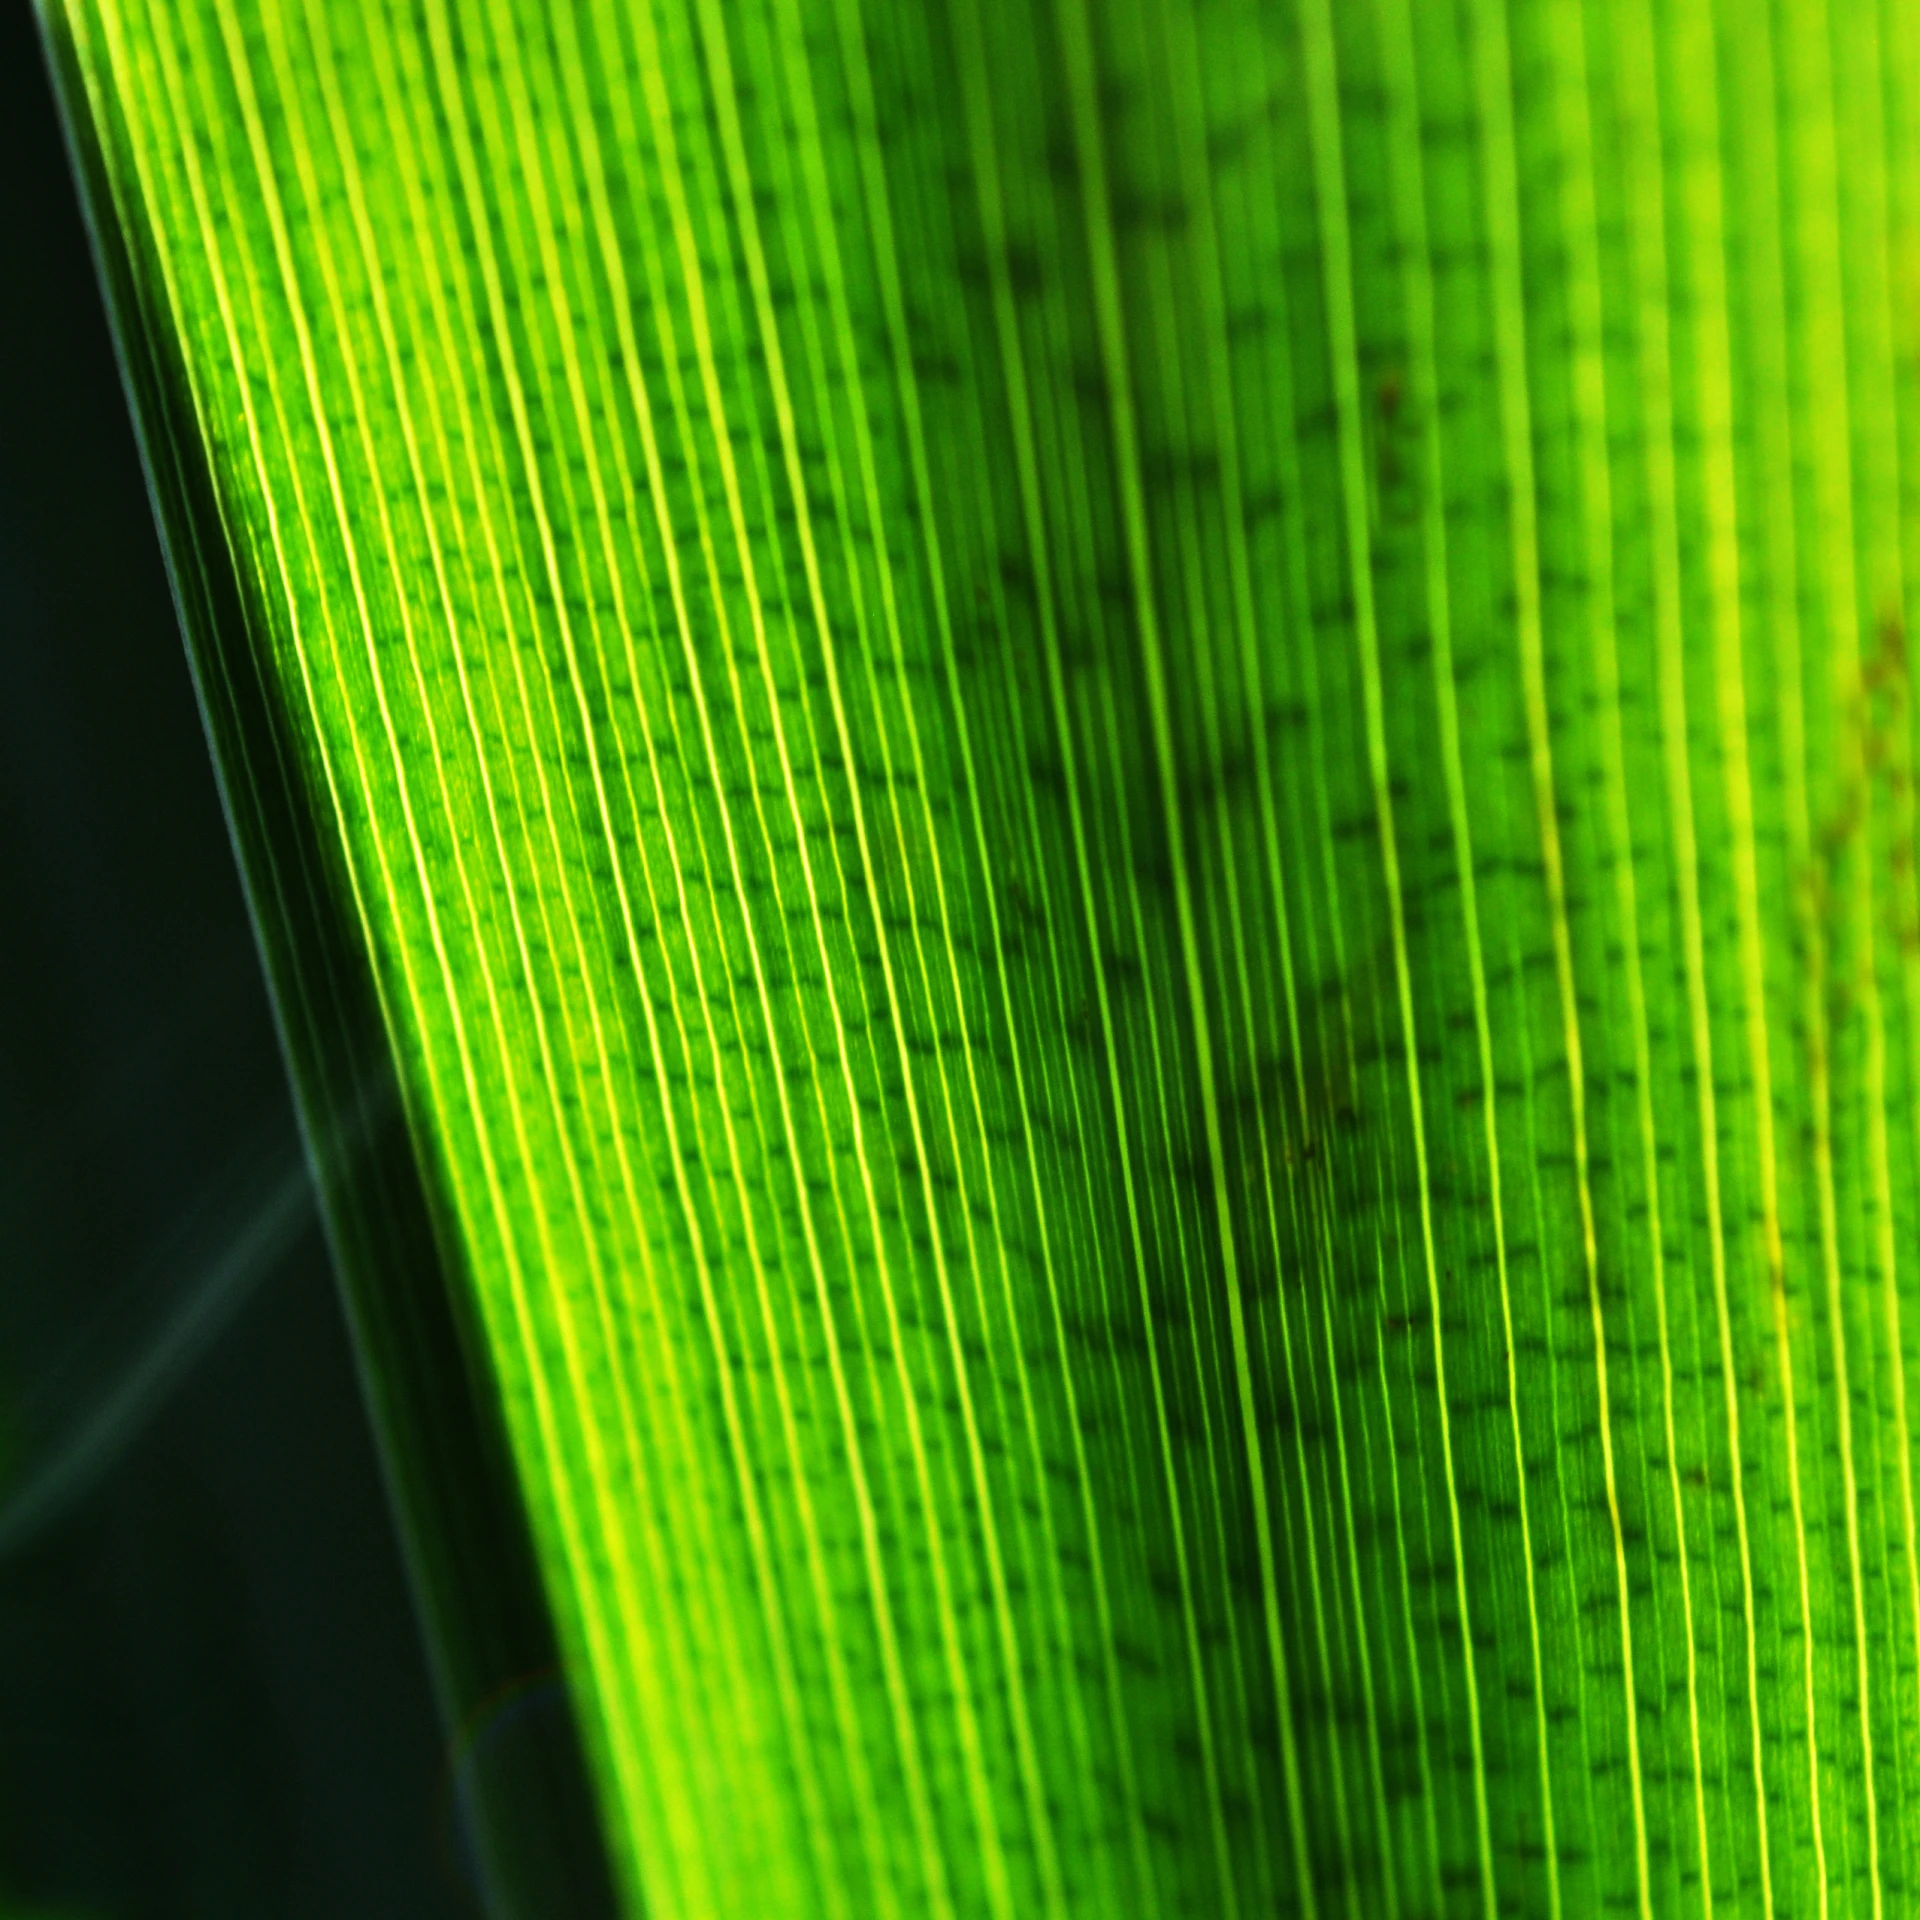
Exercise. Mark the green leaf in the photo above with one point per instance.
(1127, 796)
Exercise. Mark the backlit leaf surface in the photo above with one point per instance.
(1132, 791)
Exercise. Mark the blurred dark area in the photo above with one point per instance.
(213, 1695)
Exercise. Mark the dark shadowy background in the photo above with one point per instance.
(213, 1699)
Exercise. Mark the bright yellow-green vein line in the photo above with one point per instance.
(988, 189)
(325, 66)
(544, 1411)
(1077, 42)
(795, 64)
(1165, 322)
(867, 1811)
(661, 124)
(1773, 419)
(597, 1026)
(1591, 414)
(998, 1881)
(550, 1256)
(1076, 457)
(1187, 73)
(1870, 167)
(685, 1823)
(1086, 1116)
(1714, 368)
(1323, 110)
(1304, 654)
(634, 1633)
(972, 1756)
(818, 1837)
(493, 285)
(1824, 334)
(1409, 193)
(1895, 218)
(859, 75)
(1493, 83)
(256, 141)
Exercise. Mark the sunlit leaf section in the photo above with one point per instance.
(1134, 791)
